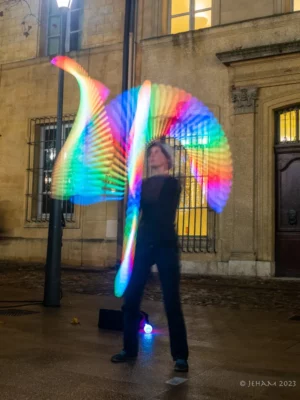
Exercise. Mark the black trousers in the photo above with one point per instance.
(167, 261)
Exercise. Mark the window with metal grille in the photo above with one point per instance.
(42, 153)
(287, 125)
(74, 27)
(196, 221)
(186, 15)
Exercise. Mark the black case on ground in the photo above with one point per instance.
(113, 319)
(110, 319)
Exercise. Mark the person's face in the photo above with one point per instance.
(157, 159)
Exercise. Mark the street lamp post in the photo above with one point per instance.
(127, 73)
(53, 263)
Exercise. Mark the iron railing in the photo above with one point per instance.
(196, 221)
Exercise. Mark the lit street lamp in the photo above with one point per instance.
(53, 263)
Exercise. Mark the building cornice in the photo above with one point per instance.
(252, 53)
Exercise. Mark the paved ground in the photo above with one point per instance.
(238, 293)
(236, 354)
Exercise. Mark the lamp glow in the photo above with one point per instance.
(64, 3)
(147, 328)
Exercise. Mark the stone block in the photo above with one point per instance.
(223, 268)
(241, 268)
(212, 268)
(111, 228)
(94, 229)
(264, 268)
(95, 212)
(240, 10)
(112, 210)
(189, 267)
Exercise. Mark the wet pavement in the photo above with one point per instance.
(237, 293)
(250, 352)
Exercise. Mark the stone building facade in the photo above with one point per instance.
(243, 63)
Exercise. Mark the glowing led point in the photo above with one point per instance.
(147, 328)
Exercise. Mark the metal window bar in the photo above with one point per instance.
(288, 125)
(196, 222)
(42, 136)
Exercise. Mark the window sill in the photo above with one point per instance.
(44, 225)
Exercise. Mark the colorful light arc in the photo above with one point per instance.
(91, 165)
(106, 148)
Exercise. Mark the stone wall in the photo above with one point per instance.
(103, 22)
(189, 61)
(14, 45)
(241, 10)
(102, 25)
(26, 94)
(28, 89)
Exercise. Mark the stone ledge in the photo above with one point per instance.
(251, 53)
(231, 268)
(83, 52)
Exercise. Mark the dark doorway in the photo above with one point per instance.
(287, 153)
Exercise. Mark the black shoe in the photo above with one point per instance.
(122, 357)
(181, 365)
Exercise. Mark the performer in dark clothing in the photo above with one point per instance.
(156, 244)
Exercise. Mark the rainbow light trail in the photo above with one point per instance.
(107, 144)
(91, 165)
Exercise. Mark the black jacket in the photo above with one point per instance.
(159, 201)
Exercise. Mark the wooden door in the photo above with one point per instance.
(287, 253)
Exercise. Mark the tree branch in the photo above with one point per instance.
(6, 5)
